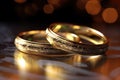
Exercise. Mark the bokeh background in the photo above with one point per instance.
(22, 15)
(48, 11)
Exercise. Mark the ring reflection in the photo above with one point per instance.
(52, 68)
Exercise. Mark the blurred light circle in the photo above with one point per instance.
(93, 7)
(110, 15)
(48, 9)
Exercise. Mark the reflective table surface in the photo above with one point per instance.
(16, 65)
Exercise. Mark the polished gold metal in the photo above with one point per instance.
(80, 39)
(34, 42)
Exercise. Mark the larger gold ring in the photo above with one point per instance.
(76, 39)
(34, 42)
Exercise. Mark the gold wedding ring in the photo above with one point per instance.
(76, 39)
(34, 42)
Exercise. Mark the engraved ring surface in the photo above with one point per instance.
(34, 42)
(86, 40)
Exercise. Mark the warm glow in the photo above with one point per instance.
(110, 15)
(77, 58)
(48, 8)
(93, 7)
(25, 62)
(76, 27)
(33, 32)
(50, 40)
(21, 63)
(57, 28)
(52, 72)
(94, 59)
(72, 37)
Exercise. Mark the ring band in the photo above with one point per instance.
(34, 42)
(89, 41)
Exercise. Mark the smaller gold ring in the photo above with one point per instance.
(86, 40)
(34, 42)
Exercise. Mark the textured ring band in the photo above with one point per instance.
(90, 41)
(34, 42)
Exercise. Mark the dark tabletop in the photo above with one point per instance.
(15, 65)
